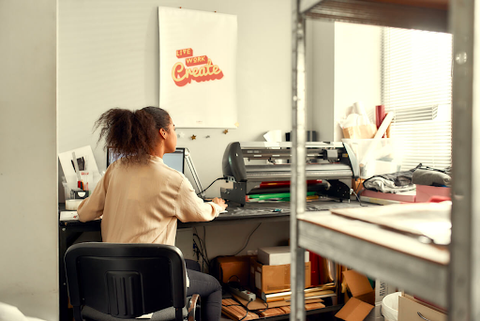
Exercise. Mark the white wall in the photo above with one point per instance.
(321, 74)
(108, 57)
(28, 173)
(357, 69)
(344, 66)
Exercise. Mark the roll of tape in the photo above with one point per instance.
(72, 205)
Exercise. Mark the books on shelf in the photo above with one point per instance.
(311, 294)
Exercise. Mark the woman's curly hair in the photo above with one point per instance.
(133, 134)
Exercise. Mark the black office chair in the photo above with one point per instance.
(118, 282)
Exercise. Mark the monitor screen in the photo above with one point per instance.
(175, 160)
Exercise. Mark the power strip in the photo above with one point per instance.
(244, 294)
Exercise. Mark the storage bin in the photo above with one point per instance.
(390, 306)
(376, 156)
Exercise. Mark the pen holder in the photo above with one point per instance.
(77, 193)
(87, 180)
(69, 184)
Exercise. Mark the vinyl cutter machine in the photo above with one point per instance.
(326, 165)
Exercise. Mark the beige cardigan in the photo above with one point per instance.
(141, 203)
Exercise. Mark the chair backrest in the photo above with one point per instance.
(125, 280)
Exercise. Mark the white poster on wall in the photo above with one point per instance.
(198, 67)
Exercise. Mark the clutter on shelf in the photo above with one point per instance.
(375, 150)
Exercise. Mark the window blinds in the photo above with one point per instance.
(417, 86)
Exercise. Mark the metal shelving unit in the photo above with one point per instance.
(451, 282)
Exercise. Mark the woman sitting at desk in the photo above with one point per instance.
(140, 198)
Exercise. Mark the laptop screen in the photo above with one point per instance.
(175, 160)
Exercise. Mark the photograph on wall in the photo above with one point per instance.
(197, 55)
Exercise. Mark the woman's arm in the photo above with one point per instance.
(91, 208)
(191, 208)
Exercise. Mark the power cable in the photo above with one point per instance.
(217, 179)
(248, 239)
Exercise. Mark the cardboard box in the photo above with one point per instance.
(358, 307)
(408, 309)
(276, 255)
(359, 286)
(234, 268)
(273, 278)
(354, 310)
(359, 132)
(376, 313)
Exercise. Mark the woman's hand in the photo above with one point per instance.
(220, 201)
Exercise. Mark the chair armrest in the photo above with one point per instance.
(194, 308)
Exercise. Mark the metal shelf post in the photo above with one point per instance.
(298, 189)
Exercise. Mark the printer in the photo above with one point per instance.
(257, 168)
